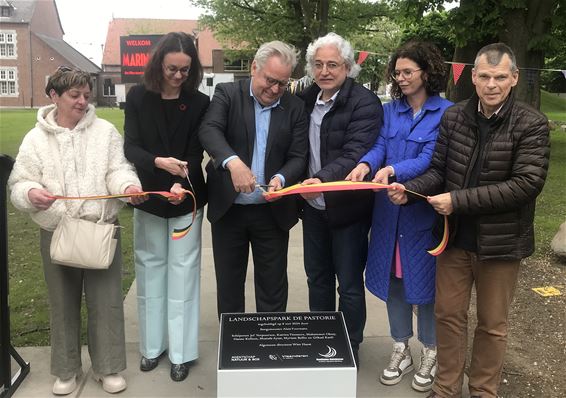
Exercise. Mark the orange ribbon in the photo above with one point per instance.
(352, 186)
(165, 194)
(177, 233)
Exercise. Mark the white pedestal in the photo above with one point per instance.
(285, 355)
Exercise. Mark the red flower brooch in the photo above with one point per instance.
(183, 107)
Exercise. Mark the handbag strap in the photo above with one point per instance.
(57, 161)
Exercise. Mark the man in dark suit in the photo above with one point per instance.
(256, 134)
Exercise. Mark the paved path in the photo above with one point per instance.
(374, 352)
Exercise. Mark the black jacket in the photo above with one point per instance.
(229, 129)
(146, 137)
(513, 167)
(348, 131)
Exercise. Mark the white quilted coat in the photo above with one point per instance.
(91, 157)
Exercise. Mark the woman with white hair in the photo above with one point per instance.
(345, 119)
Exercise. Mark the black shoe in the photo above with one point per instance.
(179, 372)
(147, 364)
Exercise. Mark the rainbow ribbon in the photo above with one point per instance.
(179, 233)
(352, 186)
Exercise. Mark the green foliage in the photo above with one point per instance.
(432, 28)
(28, 294)
(381, 37)
(245, 24)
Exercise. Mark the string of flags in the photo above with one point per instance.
(458, 67)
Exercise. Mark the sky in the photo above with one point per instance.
(85, 22)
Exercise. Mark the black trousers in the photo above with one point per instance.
(232, 235)
(336, 255)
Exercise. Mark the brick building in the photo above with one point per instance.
(216, 67)
(31, 48)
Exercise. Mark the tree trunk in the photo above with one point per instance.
(520, 26)
(323, 7)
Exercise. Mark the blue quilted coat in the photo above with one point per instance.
(407, 144)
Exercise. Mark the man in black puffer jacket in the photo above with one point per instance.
(345, 119)
(490, 164)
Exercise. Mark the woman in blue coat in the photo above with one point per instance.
(399, 270)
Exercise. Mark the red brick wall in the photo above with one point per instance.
(22, 63)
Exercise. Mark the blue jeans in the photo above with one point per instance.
(336, 253)
(400, 315)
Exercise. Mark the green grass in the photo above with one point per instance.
(29, 313)
(553, 106)
(28, 296)
(551, 205)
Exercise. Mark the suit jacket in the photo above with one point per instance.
(228, 128)
(146, 137)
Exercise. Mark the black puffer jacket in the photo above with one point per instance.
(513, 168)
(347, 133)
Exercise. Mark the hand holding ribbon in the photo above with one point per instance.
(397, 194)
(171, 165)
(41, 199)
(136, 199)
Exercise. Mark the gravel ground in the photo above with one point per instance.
(535, 364)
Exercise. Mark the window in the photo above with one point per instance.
(239, 65)
(6, 11)
(109, 88)
(8, 82)
(8, 44)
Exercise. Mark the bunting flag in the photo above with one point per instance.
(353, 186)
(564, 73)
(362, 57)
(457, 70)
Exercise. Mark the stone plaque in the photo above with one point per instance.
(284, 340)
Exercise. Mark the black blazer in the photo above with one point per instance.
(146, 137)
(228, 128)
(348, 131)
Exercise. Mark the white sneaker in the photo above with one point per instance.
(401, 363)
(111, 383)
(65, 387)
(423, 379)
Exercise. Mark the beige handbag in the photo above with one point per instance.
(81, 243)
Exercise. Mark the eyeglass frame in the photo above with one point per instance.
(272, 82)
(172, 70)
(331, 66)
(407, 73)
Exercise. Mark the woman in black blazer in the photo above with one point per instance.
(161, 140)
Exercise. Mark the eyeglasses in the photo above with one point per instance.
(172, 70)
(406, 73)
(330, 66)
(272, 82)
(65, 68)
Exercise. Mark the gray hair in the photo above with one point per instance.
(287, 53)
(493, 54)
(343, 46)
